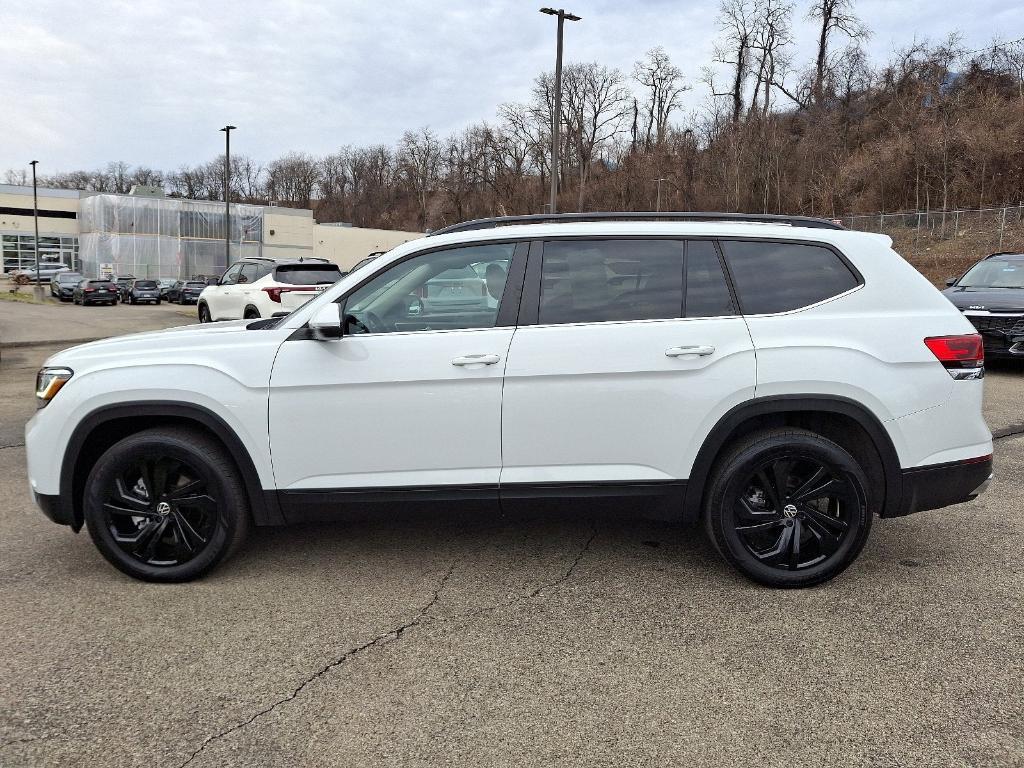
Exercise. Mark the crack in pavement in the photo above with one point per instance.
(394, 634)
(12, 445)
(1011, 431)
(390, 635)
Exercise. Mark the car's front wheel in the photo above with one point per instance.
(788, 507)
(166, 504)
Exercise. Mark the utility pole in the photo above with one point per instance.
(556, 115)
(35, 220)
(227, 129)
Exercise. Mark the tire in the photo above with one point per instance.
(197, 516)
(204, 314)
(781, 486)
(157, 302)
(251, 313)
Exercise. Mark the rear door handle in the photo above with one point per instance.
(476, 360)
(702, 350)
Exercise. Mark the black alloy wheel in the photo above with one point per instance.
(789, 508)
(204, 314)
(166, 504)
(795, 511)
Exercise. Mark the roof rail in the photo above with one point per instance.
(550, 218)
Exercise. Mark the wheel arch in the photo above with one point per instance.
(831, 416)
(254, 308)
(103, 427)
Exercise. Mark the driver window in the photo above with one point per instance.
(231, 276)
(453, 289)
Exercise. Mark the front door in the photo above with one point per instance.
(635, 349)
(410, 397)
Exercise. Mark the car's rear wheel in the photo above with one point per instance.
(251, 313)
(166, 504)
(788, 507)
(204, 314)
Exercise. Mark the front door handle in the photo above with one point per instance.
(476, 360)
(702, 350)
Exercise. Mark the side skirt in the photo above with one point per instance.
(647, 500)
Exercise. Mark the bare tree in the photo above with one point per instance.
(664, 85)
(832, 16)
(419, 159)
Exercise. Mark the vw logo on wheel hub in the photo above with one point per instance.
(163, 508)
(789, 510)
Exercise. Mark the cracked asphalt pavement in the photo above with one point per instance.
(547, 640)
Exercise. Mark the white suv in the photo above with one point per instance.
(260, 287)
(780, 380)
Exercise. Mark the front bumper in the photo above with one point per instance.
(941, 485)
(53, 509)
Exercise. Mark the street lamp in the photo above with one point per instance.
(227, 129)
(35, 220)
(658, 208)
(556, 116)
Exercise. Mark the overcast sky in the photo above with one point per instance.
(151, 82)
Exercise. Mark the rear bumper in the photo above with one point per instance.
(940, 485)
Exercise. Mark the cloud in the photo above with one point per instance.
(151, 82)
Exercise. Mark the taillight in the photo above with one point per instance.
(275, 292)
(962, 356)
(89, 290)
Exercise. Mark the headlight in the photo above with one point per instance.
(48, 383)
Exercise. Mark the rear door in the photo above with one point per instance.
(628, 351)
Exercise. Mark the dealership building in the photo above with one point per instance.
(150, 235)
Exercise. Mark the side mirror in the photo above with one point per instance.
(325, 325)
(950, 281)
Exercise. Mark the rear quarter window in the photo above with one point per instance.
(775, 277)
(308, 274)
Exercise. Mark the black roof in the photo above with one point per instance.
(548, 218)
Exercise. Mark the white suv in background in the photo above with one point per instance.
(781, 380)
(261, 287)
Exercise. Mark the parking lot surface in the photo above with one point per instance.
(22, 323)
(544, 641)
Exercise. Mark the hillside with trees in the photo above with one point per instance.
(823, 132)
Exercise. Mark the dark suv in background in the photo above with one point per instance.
(991, 296)
(99, 291)
(62, 284)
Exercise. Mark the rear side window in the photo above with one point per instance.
(592, 281)
(779, 277)
(707, 293)
(308, 274)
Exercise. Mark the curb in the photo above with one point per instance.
(48, 343)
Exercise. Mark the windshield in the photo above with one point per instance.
(69, 277)
(994, 274)
(308, 274)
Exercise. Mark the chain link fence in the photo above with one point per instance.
(993, 228)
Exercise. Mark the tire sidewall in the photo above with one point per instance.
(115, 461)
(731, 481)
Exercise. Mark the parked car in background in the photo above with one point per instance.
(744, 372)
(261, 287)
(185, 291)
(143, 292)
(46, 271)
(95, 291)
(165, 285)
(62, 284)
(123, 283)
(991, 296)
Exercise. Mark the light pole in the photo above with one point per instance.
(556, 115)
(35, 220)
(227, 129)
(658, 208)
